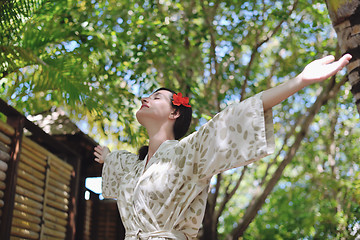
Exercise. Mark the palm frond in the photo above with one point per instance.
(13, 15)
(13, 58)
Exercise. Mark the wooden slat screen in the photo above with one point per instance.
(88, 220)
(108, 223)
(5, 142)
(42, 190)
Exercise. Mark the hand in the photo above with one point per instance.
(323, 68)
(101, 153)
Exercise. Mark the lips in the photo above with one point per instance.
(143, 106)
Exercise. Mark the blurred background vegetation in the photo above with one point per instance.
(95, 59)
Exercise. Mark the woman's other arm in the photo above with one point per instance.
(315, 71)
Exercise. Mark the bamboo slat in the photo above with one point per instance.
(2, 175)
(51, 232)
(54, 226)
(54, 197)
(17, 222)
(30, 186)
(62, 174)
(57, 205)
(17, 238)
(7, 129)
(32, 163)
(55, 219)
(28, 201)
(31, 171)
(46, 237)
(4, 156)
(27, 209)
(32, 150)
(5, 139)
(55, 212)
(45, 152)
(30, 194)
(107, 224)
(18, 232)
(26, 216)
(45, 200)
(32, 144)
(61, 165)
(3, 165)
(37, 159)
(87, 219)
(57, 161)
(57, 192)
(59, 178)
(25, 175)
(106, 235)
(59, 185)
(4, 147)
(2, 185)
(41, 150)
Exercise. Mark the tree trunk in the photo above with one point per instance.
(345, 17)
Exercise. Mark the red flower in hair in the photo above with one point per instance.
(180, 100)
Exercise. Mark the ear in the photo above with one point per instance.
(174, 114)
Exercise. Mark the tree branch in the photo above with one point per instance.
(257, 46)
(229, 195)
(259, 199)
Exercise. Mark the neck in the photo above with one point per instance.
(156, 138)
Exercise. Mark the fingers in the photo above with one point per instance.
(98, 152)
(346, 57)
(344, 60)
(98, 155)
(98, 148)
(327, 59)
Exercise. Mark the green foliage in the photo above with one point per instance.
(318, 197)
(95, 59)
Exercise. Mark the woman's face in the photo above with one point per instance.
(155, 107)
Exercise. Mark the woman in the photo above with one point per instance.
(164, 195)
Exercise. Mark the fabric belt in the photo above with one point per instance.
(139, 234)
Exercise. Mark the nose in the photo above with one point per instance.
(145, 100)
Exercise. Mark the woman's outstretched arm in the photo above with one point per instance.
(315, 71)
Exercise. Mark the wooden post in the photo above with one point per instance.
(17, 122)
(81, 204)
(74, 198)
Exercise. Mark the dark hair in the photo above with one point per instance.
(181, 126)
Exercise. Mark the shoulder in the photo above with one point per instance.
(122, 157)
(121, 154)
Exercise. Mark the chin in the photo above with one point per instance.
(139, 117)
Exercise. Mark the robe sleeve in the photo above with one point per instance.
(111, 174)
(238, 135)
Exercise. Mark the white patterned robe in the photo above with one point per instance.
(166, 200)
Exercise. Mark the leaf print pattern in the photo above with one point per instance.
(167, 199)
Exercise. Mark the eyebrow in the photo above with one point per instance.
(156, 94)
(161, 94)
